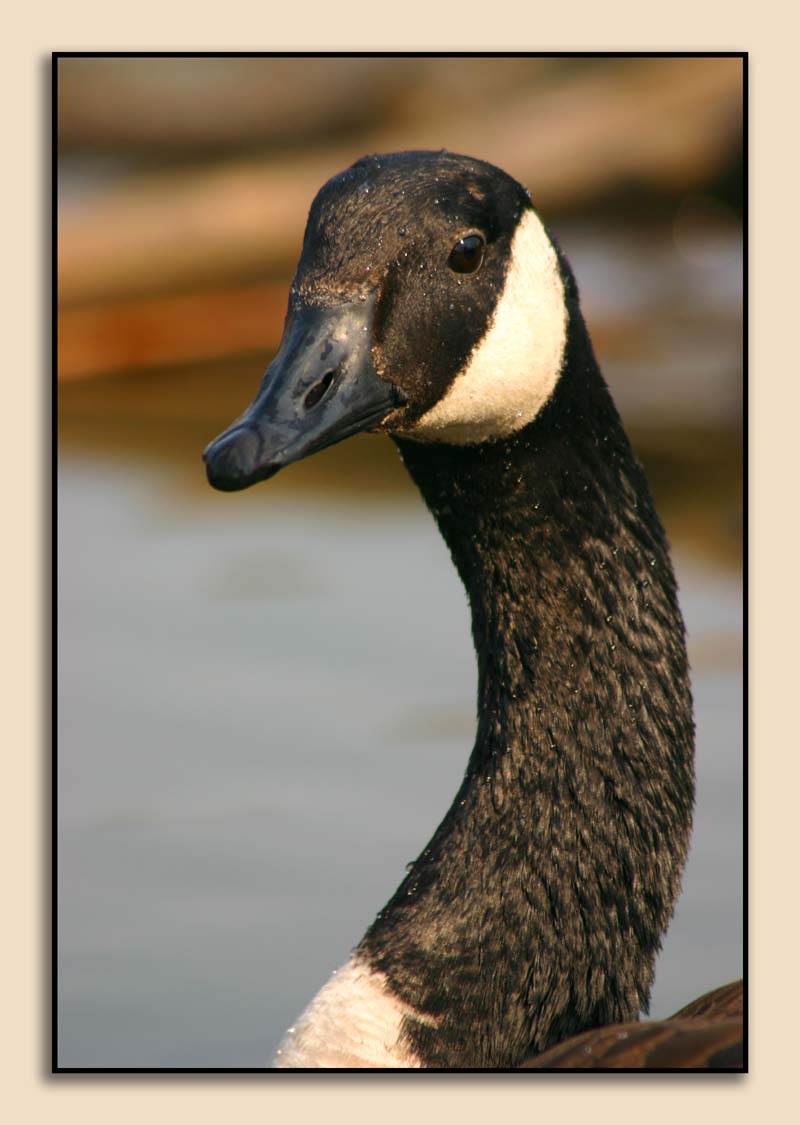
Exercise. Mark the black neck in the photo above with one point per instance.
(538, 906)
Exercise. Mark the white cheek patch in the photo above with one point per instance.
(353, 1021)
(513, 370)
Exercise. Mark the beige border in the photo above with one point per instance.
(28, 1094)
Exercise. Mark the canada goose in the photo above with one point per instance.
(430, 303)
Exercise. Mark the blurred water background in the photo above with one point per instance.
(266, 700)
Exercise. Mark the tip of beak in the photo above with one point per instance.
(233, 460)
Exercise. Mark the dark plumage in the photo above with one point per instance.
(537, 908)
(579, 789)
(705, 1035)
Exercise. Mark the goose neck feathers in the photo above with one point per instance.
(543, 895)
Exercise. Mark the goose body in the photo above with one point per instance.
(430, 303)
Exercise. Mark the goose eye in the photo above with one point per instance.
(467, 254)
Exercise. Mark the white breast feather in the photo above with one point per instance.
(353, 1021)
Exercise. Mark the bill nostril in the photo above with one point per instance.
(319, 390)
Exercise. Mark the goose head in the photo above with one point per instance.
(429, 302)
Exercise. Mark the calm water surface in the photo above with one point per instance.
(264, 711)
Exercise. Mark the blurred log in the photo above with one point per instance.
(666, 123)
(164, 331)
(171, 105)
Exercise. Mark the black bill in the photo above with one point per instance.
(320, 388)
